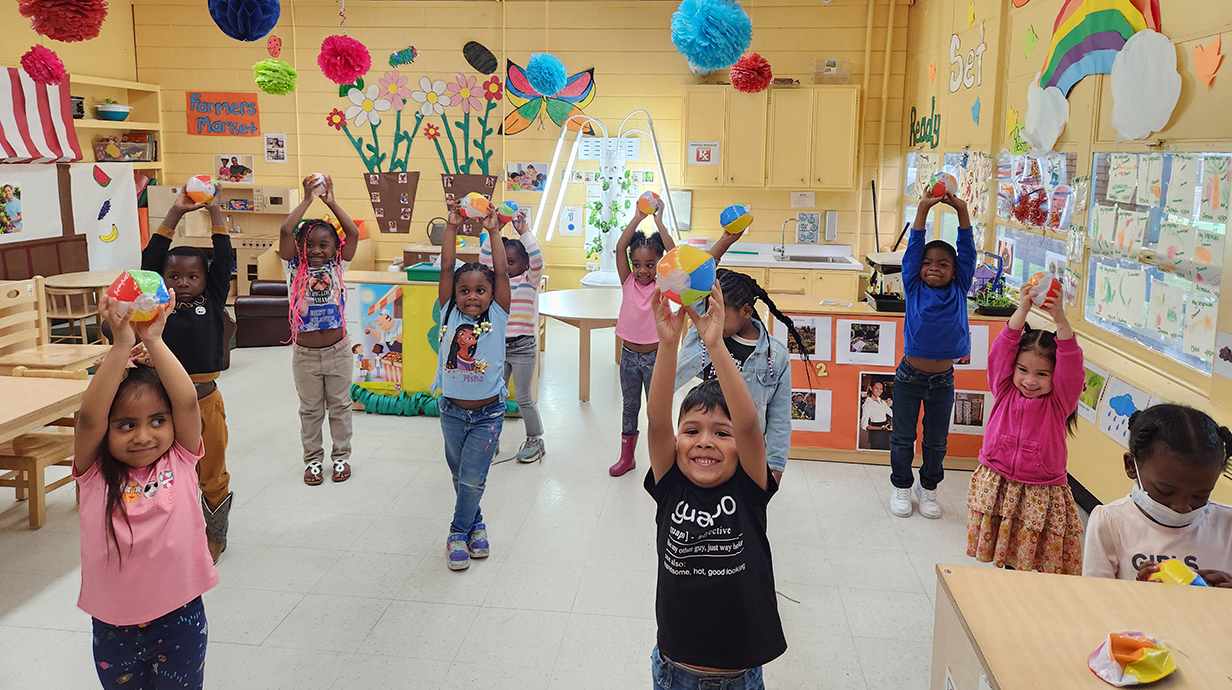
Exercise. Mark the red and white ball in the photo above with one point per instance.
(200, 188)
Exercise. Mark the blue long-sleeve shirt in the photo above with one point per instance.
(936, 323)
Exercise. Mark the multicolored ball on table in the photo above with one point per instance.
(143, 291)
(1045, 288)
(736, 218)
(942, 183)
(506, 211)
(475, 205)
(685, 274)
(200, 188)
(649, 203)
(1175, 572)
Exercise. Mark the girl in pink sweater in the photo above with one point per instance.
(1023, 515)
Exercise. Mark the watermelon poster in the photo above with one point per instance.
(105, 211)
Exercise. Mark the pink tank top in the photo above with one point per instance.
(636, 322)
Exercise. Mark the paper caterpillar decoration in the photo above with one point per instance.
(403, 57)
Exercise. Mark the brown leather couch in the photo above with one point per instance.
(261, 317)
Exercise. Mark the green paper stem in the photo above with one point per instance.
(453, 144)
(410, 139)
(482, 142)
(393, 156)
(441, 153)
(375, 148)
(359, 148)
(464, 127)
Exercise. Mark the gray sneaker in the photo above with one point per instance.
(531, 451)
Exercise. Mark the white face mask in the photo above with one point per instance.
(1159, 512)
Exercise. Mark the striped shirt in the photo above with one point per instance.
(523, 288)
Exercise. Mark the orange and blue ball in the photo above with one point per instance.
(685, 274)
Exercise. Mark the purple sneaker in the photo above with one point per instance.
(455, 552)
(477, 541)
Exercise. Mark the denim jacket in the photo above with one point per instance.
(771, 390)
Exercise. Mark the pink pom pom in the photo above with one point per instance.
(343, 59)
(43, 66)
(65, 20)
(751, 74)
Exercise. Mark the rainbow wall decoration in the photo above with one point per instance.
(1087, 36)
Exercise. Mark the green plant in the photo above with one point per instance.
(595, 247)
(109, 101)
(989, 297)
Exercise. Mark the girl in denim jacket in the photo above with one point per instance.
(763, 361)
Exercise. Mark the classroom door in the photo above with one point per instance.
(704, 110)
(745, 164)
(791, 114)
(836, 111)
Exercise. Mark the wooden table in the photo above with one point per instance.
(587, 309)
(1023, 631)
(55, 356)
(85, 282)
(27, 404)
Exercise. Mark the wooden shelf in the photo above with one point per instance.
(92, 123)
(113, 83)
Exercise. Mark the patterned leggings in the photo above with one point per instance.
(635, 371)
(167, 652)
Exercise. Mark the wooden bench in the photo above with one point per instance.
(25, 338)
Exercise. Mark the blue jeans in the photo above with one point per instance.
(936, 391)
(167, 652)
(670, 676)
(472, 438)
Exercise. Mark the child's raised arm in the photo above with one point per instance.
(660, 431)
(964, 272)
(725, 241)
(185, 411)
(92, 419)
(348, 226)
(622, 246)
(1068, 375)
(913, 256)
(534, 269)
(500, 263)
(286, 234)
(449, 253)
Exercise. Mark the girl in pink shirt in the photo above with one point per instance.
(636, 258)
(144, 558)
(1023, 515)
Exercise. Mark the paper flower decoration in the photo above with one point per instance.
(245, 20)
(65, 20)
(432, 95)
(431, 131)
(275, 76)
(478, 56)
(393, 87)
(462, 92)
(335, 119)
(546, 74)
(43, 66)
(343, 59)
(712, 34)
(492, 89)
(751, 74)
(367, 107)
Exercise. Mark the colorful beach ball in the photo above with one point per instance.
(649, 203)
(942, 183)
(200, 188)
(735, 218)
(685, 274)
(475, 205)
(1046, 288)
(506, 211)
(144, 291)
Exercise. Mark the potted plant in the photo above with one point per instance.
(991, 300)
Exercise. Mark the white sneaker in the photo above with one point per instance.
(900, 502)
(929, 507)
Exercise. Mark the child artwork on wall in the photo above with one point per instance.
(1181, 185)
(1214, 207)
(1199, 338)
(1120, 400)
(529, 105)
(1205, 264)
(1005, 249)
(1070, 283)
(1122, 177)
(1176, 244)
(1131, 293)
(1103, 235)
(1165, 313)
(1150, 179)
(1092, 390)
(1130, 226)
(1106, 296)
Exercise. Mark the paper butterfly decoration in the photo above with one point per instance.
(529, 105)
(1207, 60)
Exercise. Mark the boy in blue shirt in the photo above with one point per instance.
(935, 333)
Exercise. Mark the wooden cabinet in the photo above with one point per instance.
(791, 115)
(789, 281)
(835, 285)
(758, 274)
(835, 136)
(737, 122)
(704, 110)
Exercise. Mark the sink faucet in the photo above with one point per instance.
(782, 250)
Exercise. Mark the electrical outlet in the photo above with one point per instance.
(592, 265)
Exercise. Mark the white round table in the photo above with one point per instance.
(587, 309)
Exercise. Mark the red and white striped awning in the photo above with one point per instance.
(36, 121)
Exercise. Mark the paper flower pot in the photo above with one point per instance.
(456, 187)
(392, 195)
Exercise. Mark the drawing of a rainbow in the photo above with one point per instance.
(1087, 36)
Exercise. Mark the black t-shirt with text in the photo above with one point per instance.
(740, 350)
(715, 601)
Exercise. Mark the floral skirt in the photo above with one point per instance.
(1023, 526)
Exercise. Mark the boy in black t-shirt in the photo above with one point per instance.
(715, 605)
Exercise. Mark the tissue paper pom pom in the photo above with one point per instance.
(712, 34)
(65, 20)
(546, 74)
(751, 74)
(43, 66)
(245, 20)
(275, 76)
(343, 59)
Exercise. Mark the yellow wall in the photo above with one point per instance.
(1198, 124)
(111, 55)
(628, 44)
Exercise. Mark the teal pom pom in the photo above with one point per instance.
(712, 34)
(275, 76)
(546, 74)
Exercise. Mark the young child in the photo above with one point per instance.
(1176, 455)
(194, 333)
(521, 350)
(144, 560)
(314, 260)
(1023, 515)
(636, 258)
(717, 615)
(763, 361)
(475, 303)
(935, 333)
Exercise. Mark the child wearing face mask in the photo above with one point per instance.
(1022, 514)
(936, 279)
(1175, 457)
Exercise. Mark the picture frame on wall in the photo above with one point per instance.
(234, 168)
(810, 410)
(874, 401)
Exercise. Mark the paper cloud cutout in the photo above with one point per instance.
(1145, 85)
(1047, 113)
(1123, 405)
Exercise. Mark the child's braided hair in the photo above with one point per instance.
(1190, 433)
(299, 282)
(487, 273)
(653, 241)
(740, 289)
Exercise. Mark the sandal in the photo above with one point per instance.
(342, 471)
(312, 473)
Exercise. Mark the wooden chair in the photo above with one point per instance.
(72, 306)
(28, 456)
(543, 320)
(25, 338)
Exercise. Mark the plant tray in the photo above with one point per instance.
(424, 272)
(889, 304)
(996, 311)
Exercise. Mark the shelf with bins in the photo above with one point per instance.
(145, 117)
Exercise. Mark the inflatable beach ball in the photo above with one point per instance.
(475, 205)
(506, 211)
(200, 188)
(685, 274)
(144, 291)
(942, 183)
(649, 203)
(735, 218)
(1046, 288)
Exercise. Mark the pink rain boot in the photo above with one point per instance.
(627, 443)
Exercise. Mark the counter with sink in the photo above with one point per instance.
(818, 270)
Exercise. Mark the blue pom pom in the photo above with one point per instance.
(245, 20)
(712, 34)
(546, 74)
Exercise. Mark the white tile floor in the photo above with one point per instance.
(345, 586)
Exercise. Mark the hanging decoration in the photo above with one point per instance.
(245, 20)
(546, 74)
(1207, 60)
(751, 74)
(711, 34)
(1145, 85)
(343, 59)
(529, 104)
(699, 72)
(478, 56)
(65, 20)
(274, 46)
(403, 57)
(275, 76)
(43, 66)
